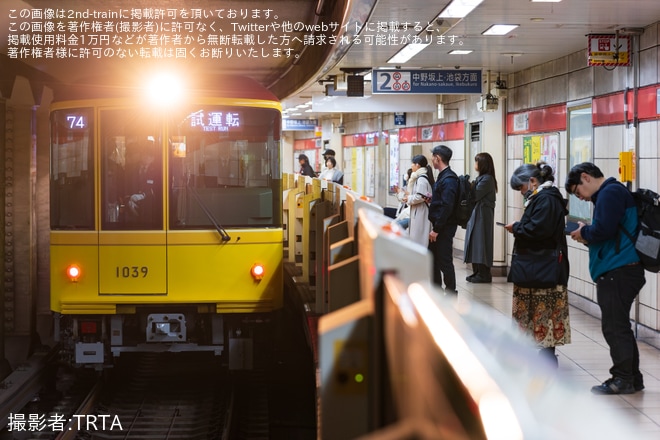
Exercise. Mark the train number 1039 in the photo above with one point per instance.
(131, 271)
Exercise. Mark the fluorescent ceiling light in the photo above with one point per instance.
(500, 29)
(545, 1)
(407, 52)
(460, 52)
(459, 8)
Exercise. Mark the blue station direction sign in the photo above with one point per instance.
(300, 124)
(446, 82)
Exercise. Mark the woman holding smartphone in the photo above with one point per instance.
(540, 301)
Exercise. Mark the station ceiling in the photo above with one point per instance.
(272, 41)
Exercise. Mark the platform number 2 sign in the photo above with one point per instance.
(393, 82)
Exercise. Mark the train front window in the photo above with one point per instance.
(225, 167)
(131, 170)
(71, 174)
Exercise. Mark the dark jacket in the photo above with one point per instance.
(445, 192)
(542, 225)
(307, 170)
(146, 181)
(613, 206)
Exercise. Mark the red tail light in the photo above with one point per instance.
(257, 271)
(73, 272)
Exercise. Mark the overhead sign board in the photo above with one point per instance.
(300, 124)
(382, 103)
(609, 50)
(446, 82)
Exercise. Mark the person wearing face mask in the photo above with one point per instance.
(420, 186)
(540, 307)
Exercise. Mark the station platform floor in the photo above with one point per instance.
(586, 360)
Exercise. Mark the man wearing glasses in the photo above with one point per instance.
(614, 267)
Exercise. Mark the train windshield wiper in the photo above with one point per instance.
(223, 233)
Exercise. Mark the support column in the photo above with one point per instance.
(5, 368)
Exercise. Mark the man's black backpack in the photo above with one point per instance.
(464, 201)
(647, 242)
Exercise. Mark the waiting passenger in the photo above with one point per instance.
(328, 153)
(332, 173)
(614, 267)
(420, 188)
(305, 168)
(402, 217)
(539, 267)
(443, 218)
(479, 230)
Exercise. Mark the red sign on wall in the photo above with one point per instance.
(609, 50)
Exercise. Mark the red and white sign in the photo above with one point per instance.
(609, 50)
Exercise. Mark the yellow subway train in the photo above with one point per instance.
(166, 216)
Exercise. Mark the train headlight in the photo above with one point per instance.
(257, 271)
(164, 90)
(73, 272)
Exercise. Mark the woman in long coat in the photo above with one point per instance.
(420, 189)
(479, 230)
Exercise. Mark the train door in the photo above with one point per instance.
(132, 242)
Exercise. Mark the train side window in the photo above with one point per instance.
(71, 174)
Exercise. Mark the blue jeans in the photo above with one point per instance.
(443, 258)
(616, 291)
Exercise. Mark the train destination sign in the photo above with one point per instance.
(215, 121)
(446, 82)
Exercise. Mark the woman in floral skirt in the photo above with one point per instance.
(542, 312)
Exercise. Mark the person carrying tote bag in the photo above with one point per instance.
(540, 267)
